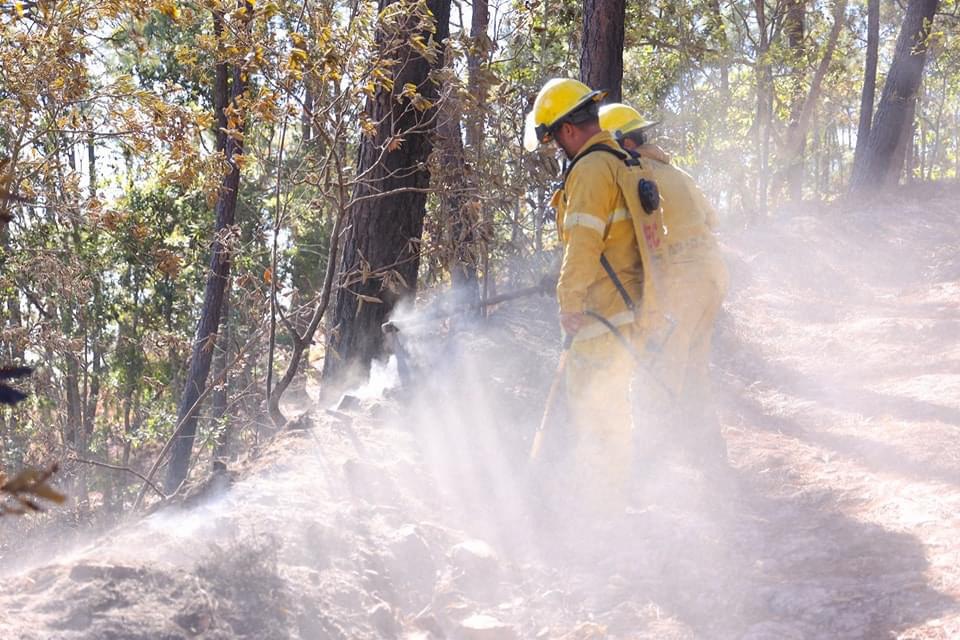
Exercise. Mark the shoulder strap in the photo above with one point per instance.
(600, 146)
(627, 300)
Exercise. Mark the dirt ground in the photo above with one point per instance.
(838, 386)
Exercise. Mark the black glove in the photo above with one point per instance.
(649, 195)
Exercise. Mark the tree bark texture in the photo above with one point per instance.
(869, 79)
(381, 250)
(880, 163)
(214, 294)
(601, 53)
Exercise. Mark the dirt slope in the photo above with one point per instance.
(838, 367)
(842, 404)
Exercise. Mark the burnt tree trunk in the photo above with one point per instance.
(869, 79)
(214, 294)
(381, 253)
(601, 53)
(879, 161)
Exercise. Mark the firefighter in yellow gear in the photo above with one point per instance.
(693, 282)
(593, 221)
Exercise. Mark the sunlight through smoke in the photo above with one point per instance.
(384, 376)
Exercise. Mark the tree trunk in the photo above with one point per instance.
(829, 144)
(869, 80)
(817, 156)
(938, 131)
(904, 155)
(764, 117)
(92, 165)
(719, 34)
(956, 146)
(14, 445)
(795, 28)
(601, 53)
(306, 118)
(476, 59)
(924, 126)
(455, 205)
(479, 27)
(74, 427)
(214, 294)
(95, 368)
(466, 223)
(804, 109)
(218, 403)
(458, 180)
(879, 159)
(381, 255)
(74, 431)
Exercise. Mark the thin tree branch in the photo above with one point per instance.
(97, 463)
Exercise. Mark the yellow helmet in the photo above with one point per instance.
(621, 118)
(559, 98)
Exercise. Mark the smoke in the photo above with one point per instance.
(417, 492)
(384, 376)
(414, 507)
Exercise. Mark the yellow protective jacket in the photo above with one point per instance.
(688, 277)
(592, 219)
(686, 212)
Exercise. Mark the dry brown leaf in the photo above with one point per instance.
(394, 143)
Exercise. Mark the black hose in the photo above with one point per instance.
(629, 347)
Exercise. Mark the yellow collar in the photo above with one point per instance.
(603, 137)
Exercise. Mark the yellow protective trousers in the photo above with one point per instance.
(598, 380)
(674, 394)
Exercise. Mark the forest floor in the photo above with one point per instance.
(838, 384)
